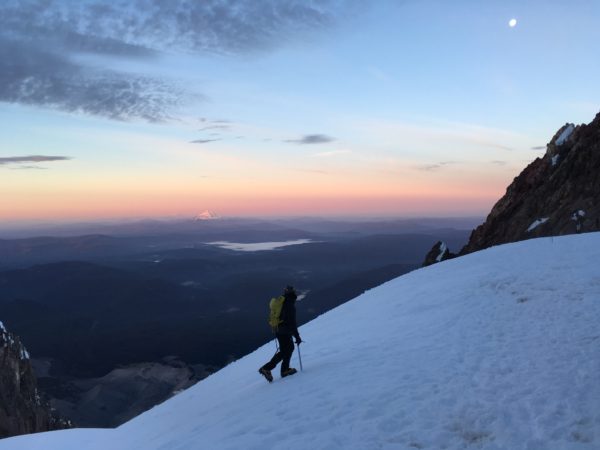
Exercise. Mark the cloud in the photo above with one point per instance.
(28, 168)
(215, 127)
(203, 141)
(209, 25)
(41, 42)
(32, 158)
(435, 166)
(539, 147)
(139, 28)
(218, 124)
(500, 163)
(312, 139)
(492, 144)
(433, 135)
(37, 76)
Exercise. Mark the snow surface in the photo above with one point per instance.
(499, 349)
(565, 134)
(537, 223)
(257, 246)
(555, 159)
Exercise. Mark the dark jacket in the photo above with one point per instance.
(288, 323)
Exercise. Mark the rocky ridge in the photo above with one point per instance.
(22, 408)
(556, 194)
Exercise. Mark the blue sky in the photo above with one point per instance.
(332, 107)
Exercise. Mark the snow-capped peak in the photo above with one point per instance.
(206, 215)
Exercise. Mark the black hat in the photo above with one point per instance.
(289, 288)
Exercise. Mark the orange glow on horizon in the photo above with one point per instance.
(92, 207)
(270, 192)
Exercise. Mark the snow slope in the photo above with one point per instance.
(498, 349)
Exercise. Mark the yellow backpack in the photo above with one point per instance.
(275, 306)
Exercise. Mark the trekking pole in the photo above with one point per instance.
(300, 358)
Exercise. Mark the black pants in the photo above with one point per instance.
(286, 348)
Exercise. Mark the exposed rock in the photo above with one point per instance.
(22, 408)
(439, 252)
(555, 195)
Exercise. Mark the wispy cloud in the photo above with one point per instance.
(499, 163)
(203, 141)
(29, 168)
(539, 147)
(205, 120)
(35, 75)
(31, 159)
(435, 166)
(215, 127)
(40, 42)
(492, 145)
(312, 139)
(443, 134)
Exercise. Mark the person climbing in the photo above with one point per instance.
(285, 329)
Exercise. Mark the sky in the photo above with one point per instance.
(131, 109)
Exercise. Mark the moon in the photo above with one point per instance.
(512, 23)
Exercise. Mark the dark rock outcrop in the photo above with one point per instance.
(439, 252)
(22, 408)
(555, 195)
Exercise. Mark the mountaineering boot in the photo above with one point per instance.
(266, 373)
(288, 372)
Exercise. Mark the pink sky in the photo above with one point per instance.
(56, 208)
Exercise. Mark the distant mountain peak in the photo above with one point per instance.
(207, 215)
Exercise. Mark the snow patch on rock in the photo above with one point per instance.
(537, 223)
(443, 250)
(24, 354)
(565, 134)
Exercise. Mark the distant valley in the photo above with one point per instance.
(87, 305)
